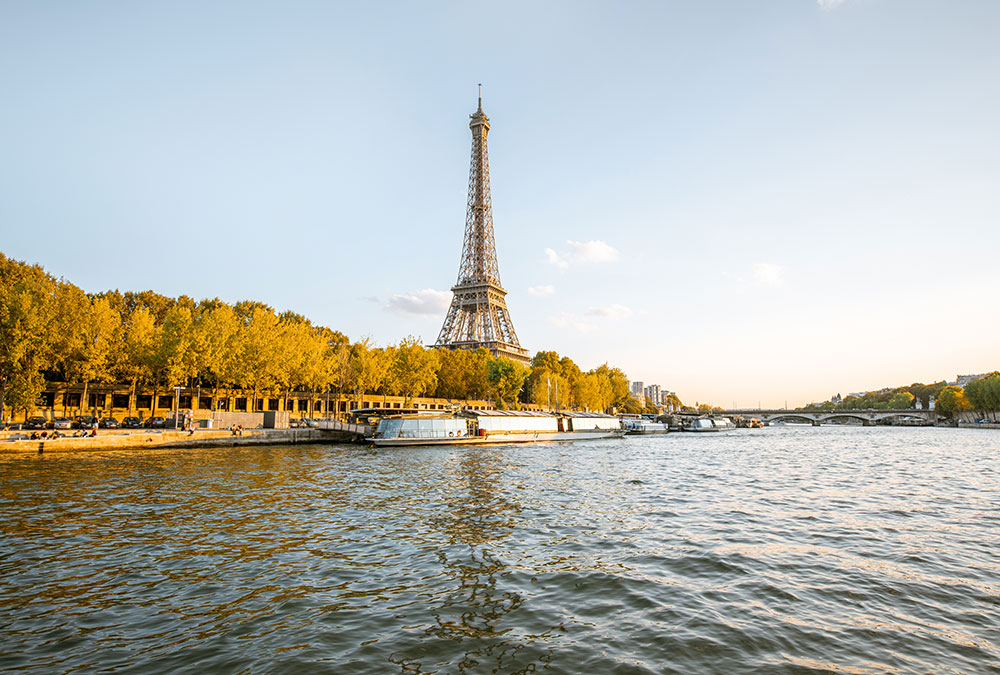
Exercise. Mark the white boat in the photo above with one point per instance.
(481, 427)
(701, 424)
(723, 423)
(639, 426)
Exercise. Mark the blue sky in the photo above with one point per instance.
(743, 202)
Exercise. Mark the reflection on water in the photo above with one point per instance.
(476, 518)
(783, 549)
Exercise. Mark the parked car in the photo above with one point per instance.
(110, 423)
(61, 423)
(84, 422)
(156, 423)
(131, 423)
(306, 422)
(37, 422)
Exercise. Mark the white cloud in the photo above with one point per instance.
(593, 251)
(768, 274)
(427, 302)
(556, 259)
(565, 320)
(541, 290)
(829, 4)
(582, 252)
(614, 312)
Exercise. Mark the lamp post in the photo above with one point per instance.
(177, 404)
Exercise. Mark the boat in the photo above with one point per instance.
(723, 423)
(482, 427)
(701, 424)
(641, 427)
(748, 423)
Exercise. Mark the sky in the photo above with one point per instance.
(747, 203)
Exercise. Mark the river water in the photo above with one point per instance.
(785, 549)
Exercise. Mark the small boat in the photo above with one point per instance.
(641, 427)
(723, 423)
(482, 427)
(701, 424)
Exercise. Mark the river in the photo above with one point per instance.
(786, 549)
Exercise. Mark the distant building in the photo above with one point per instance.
(962, 380)
(637, 389)
(836, 399)
(653, 394)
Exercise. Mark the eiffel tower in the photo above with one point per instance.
(478, 315)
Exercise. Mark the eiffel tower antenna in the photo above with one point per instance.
(478, 315)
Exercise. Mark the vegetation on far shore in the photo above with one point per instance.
(982, 395)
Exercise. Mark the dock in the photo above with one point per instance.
(332, 432)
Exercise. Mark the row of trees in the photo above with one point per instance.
(52, 330)
(982, 395)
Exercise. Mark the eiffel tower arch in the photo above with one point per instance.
(478, 316)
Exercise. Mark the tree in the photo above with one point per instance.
(452, 369)
(984, 394)
(172, 358)
(214, 345)
(136, 354)
(384, 378)
(952, 402)
(631, 406)
(258, 348)
(415, 369)
(26, 308)
(97, 336)
(901, 400)
(547, 388)
(367, 367)
(507, 378)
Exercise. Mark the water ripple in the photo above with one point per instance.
(778, 550)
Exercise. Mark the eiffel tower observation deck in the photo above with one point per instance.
(478, 315)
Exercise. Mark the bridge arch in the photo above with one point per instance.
(790, 417)
(844, 416)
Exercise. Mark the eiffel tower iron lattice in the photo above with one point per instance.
(478, 316)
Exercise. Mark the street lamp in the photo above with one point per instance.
(177, 405)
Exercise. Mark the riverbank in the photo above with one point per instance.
(18, 442)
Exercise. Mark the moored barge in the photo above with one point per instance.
(482, 427)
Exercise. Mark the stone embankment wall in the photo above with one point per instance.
(110, 440)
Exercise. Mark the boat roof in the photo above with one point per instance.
(496, 413)
(534, 413)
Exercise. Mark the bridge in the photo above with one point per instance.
(817, 417)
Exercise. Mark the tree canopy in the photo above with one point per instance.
(51, 330)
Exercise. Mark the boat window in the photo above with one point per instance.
(390, 428)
